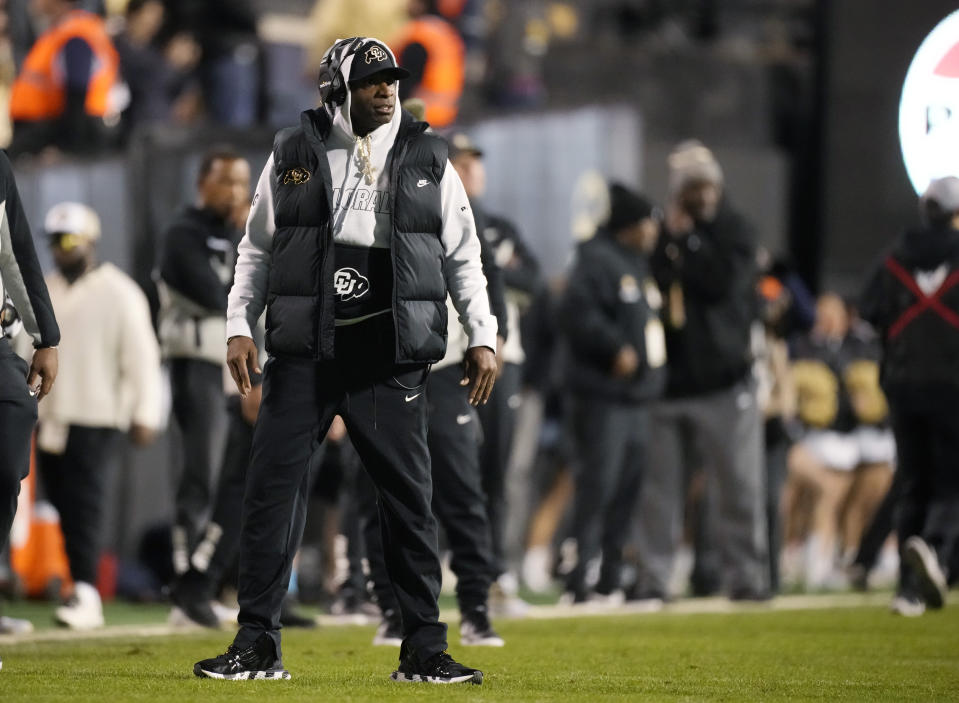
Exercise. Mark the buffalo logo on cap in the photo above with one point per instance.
(375, 53)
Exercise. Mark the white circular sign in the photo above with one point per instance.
(929, 108)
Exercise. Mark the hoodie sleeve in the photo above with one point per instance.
(464, 272)
(20, 271)
(141, 382)
(252, 276)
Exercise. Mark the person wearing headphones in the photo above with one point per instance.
(358, 231)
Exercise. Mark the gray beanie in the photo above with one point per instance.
(691, 160)
(944, 192)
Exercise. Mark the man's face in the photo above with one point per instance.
(700, 200)
(472, 172)
(832, 317)
(226, 187)
(43, 8)
(372, 103)
(71, 252)
(642, 236)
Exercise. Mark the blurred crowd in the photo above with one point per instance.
(80, 76)
(676, 415)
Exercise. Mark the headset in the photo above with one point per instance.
(330, 81)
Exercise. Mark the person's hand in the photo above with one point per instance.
(241, 356)
(678, 221)
(183, 52)
(43, 371)
(479, 373)
(141, 435)
(250, 405)
(500, 363)
(625, 362)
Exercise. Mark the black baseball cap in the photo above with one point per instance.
(461, 143)
(374, 57)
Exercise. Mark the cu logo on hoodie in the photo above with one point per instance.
(350, 284)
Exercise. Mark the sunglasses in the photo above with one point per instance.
(67, 241)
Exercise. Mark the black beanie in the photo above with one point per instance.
(626, 208)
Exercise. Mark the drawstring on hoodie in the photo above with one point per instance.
(364, 158)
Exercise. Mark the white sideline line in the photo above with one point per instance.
(688, 606)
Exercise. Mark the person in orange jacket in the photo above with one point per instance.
(67, 90)
(432, 51)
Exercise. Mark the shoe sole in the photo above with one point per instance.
(931, 582)
(906, 609)
(485, 642)
(476, 678)
(72, 624)
(244, 675)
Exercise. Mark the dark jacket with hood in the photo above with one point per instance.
(611, 301)
(913, 301)
(714, 269)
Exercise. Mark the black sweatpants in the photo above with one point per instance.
(221, 539)
(222, 536)
(18, 414)
(199, 406)
(385, 411)
(458, 499)
(76, 482)
(609, 441)
(498, 420)
(928, 482)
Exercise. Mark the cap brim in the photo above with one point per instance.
(394, 72)
(472, 151)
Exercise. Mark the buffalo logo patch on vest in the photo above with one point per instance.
(350, 284)
(296, 176)
(375, 53)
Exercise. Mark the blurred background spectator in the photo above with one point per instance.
(159, 75)
(231, 57)
(67, 94)
(431, 49)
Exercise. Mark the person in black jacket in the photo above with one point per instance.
(358, 232)
(913, 300)
(22, 386)
(706, 269)
(196, 269)
(459, 501)
(617, 358)
(515, 264)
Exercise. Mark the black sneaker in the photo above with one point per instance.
(390, 631)
(289, 617)
(258, 661)
(440, 668)
(191, 594)
(924, 562)
(477, 631)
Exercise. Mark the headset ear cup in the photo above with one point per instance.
(330, 81)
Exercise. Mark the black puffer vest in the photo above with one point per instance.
(300, 319)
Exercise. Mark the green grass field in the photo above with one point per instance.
(842, 654)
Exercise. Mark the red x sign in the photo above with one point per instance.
(923, 302)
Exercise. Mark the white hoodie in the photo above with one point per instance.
(359, 219)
